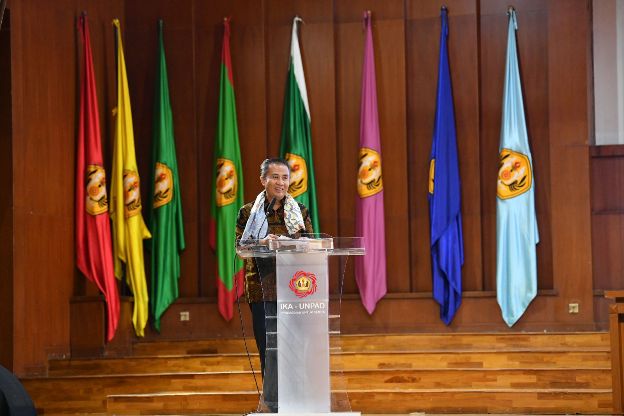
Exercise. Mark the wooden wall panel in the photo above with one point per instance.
(607, 204)
(248, 63)
(492, 48)
(207, 43)
(6, 202)
(247, 41)
(389, 45)
(140, 48)
(532, 38)
(44, 101)
(423, 54)
(316, 40)
(569, 42)
(607, 248)
(463, 60)
(553, 42)
(422, 48)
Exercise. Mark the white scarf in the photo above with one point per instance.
(257, 226)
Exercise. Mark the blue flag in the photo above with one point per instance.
(447, 245)
(516, 225)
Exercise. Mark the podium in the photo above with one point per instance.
(301, 323)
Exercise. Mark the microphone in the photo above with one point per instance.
(270, 207)
(266, 216)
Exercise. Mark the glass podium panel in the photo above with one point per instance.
(302, 363)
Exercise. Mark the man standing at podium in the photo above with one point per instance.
(274, 213)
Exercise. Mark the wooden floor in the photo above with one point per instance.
(389, 374)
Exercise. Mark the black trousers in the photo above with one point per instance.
(264, 318)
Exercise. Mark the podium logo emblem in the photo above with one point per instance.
(514, 174)
(303, 284)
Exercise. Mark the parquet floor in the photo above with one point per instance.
(382, 374)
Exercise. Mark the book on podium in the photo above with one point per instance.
(303, 326)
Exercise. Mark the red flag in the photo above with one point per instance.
(94, 256)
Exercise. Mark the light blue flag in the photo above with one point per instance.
(516, 225)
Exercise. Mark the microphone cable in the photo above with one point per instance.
(242, 325)
(240, 314)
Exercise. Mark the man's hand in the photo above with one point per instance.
(265, 240)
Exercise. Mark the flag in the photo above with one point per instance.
(296, 143)
(370, 270)
(94, 255)
(445, 221)
(516, 224)
(129, 230)
(227, 197)
(166, 221)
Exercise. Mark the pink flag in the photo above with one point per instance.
(370, 270)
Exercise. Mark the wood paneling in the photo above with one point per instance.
(568, 134)
(316, 40)
(389, 45)
(6, 201)
(607, 204)
(247, 51)
(140, 35)
(423, 34)
(532, 40)
(44, 104)
(553, 44)
(406, 36)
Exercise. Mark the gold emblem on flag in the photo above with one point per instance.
(96, 199)
(431, 175)
(514, 174)
(227, 182)
(163, 185)
(298, 175)
(369, 181)
(303, 284)
(132, 193)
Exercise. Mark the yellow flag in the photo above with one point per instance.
(129, 229)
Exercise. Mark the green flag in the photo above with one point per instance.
(166, 208)
(227, 194)
(296, 145)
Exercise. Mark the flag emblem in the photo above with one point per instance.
(227, 182)
(132, 193)
(96, 201)
(303, 284)
(514, 174)
(431, 175)
(369, 180)
(163, 185)
(298, 175)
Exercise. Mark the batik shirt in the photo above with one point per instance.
(254, 291)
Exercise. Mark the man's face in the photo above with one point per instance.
(276, 181)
